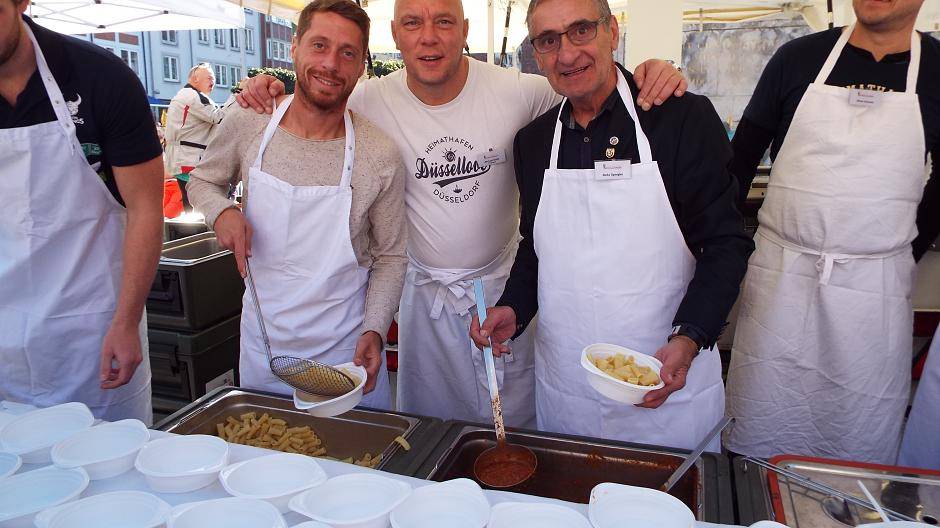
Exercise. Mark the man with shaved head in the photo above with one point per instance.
(454, 120)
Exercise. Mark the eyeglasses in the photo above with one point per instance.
(579, 33)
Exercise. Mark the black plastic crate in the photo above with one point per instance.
(186, 365)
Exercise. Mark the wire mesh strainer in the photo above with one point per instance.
(302, 374)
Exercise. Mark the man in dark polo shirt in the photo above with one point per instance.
(850, 115)
(81, 183)
(630, 237)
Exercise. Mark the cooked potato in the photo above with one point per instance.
(624, 368)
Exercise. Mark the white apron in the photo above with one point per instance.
(921, 444)
(440, 371)
(613, 268)
(61, 242)
(310, 285)
(822, 350)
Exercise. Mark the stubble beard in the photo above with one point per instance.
(8, 47)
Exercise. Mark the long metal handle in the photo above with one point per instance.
(488, 361)
(681, 470)
(823, 488)
(254, 298)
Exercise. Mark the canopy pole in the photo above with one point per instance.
(502, 52)
(490, 30)
(830, 13)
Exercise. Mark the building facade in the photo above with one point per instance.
(276, 36)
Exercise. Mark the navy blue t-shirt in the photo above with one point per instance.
(106, 101)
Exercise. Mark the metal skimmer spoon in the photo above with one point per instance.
(302, 374)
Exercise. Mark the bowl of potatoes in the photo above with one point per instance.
(619, 373)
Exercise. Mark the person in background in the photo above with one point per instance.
(821, 361)
(191, 120)
(453, 119)
(323, 221)
(630, 236)
(80, 177)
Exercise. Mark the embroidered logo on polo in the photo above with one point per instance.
(449, 164)
(73, 109)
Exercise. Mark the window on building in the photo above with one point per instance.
(235, 74)
(218, 37)
(249, 39)
(280, 21)
(171, 69)
(130, 58)
(221, 75)
(168, 37)
(204, 36)
(279, 50)
(233, 38)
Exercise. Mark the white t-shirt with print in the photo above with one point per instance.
(461, 211)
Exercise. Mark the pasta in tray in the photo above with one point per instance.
(276, 434)
(624, 368)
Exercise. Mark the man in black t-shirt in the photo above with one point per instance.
(80, 176)
(822, 350)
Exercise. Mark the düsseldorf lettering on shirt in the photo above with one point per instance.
(450, 168)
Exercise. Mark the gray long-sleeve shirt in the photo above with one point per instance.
(377, 216)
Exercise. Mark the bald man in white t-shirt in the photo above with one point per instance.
(454, 119)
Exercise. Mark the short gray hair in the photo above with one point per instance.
(201, 66)
(603, 10)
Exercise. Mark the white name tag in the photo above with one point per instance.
(613, 170)
(492, 156)
(866, 98)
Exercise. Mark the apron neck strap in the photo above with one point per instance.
(62, 115)
(349, 151)
(913, 68)
(642, 142)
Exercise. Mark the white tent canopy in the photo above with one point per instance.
(105, 16)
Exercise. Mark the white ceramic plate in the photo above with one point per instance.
(31, 435)
(232, 512)
(458, 503)
(274, 478)
(28, 493)
(105, 451)
(617, 505)
(124, 509)
(363, 500)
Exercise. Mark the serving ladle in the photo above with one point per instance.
(505, 465)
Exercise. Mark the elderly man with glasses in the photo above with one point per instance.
(636, 240)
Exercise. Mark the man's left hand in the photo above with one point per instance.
(676, 357)
(369, 355)
(658, 80)
(120, 355)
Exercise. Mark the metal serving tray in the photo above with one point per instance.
(352, 434)
(765, 495)
(570, 466)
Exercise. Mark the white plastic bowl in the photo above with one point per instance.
(273, 478)
(231, 512)
(33, 434)
(9, 464)
(105, 451)
(458, 503)
(617, 505)
(355, 500)
(180, 464)
(535, 515)
(23, 495)
(896, 524)
(126, 509)
(326, 407)
(311, 524)
(611, 387)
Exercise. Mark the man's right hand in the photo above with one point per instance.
(234, 233)
(259, 93)
(500, 325)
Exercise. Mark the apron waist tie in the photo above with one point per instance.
(826, 261)
(459, 282)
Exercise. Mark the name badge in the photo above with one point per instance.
(492, 156)
(864, 98)
(613, 170)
